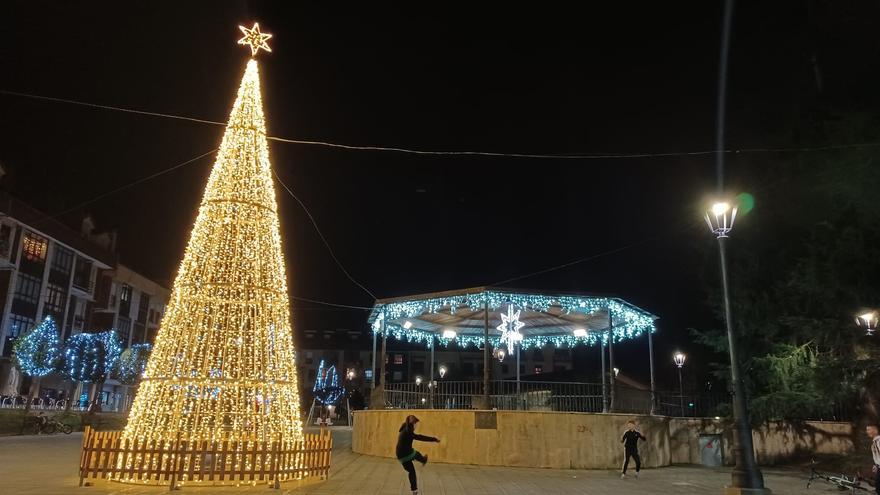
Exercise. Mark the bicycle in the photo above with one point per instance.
(51, 426)
(842, 482)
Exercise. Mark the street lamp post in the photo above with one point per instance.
(746, 477)
(868, 321)
(679, 359)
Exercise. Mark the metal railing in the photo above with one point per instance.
(504, 395)
(19, 402)
(547, 396)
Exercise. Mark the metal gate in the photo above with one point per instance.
(710, 450)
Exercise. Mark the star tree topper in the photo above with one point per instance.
(255, 39)
(509, 328)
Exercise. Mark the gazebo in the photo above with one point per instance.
(507, 320)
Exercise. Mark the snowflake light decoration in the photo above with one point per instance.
(509, 328)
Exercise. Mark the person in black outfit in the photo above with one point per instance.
(630, 443)
(405, 452)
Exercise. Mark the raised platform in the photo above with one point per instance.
(567, 440)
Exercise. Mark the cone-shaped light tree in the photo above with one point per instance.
(223, 363)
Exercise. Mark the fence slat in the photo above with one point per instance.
(105, 454)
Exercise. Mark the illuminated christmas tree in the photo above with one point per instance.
(327, 389)
(223, 363)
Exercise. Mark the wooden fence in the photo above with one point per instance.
(106, 455)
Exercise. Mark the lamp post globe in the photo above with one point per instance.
(442, 371)
(746, 477)
(679, 358)
(868, 321)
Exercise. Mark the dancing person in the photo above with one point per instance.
(406, 454)
(630, 443)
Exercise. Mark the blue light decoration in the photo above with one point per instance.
(91, 357)
(38, 352)
(327, 390)
(629, 321)
(133, 363)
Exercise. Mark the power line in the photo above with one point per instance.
(325, 303)
(124, 187)
(321, 235)
(593, 256)
(575, 156)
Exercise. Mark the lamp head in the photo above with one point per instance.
(679, 359)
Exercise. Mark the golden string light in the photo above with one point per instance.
(255, 39)
(223, 366)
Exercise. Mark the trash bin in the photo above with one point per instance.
(710, 450)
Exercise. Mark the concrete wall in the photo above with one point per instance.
(775, 441)
(519, 438)
(582, 441)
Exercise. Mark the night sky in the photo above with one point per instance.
(623, 78)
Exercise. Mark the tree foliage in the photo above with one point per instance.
(132, 363)
(91, 357)
(37, 352)
(803, 263)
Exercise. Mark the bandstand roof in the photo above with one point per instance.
(548, 317)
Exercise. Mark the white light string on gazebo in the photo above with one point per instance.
(629, 321)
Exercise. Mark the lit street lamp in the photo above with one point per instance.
(679, 359)
(442, 371)
(499, 354)
(868, 321)
(746, 474)
(418, 381)
(350, 374)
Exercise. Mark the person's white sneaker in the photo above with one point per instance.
(622, 476)
(637, 475)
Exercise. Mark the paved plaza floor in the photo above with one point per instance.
(48, 465)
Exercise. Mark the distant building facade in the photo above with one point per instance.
(49, 269)
(349, 349)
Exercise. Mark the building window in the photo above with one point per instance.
(55, 297)
(62, 260)
(27, 288)
(5, 240)
(398, 359)
(368, 374)
(34, 247)
(152, 317)
(125, 300)
(17, 326)
(397, 376)
(143, 306)
(124, 329)
(467, 369)
(82, 275)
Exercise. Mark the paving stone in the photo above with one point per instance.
(48, 465)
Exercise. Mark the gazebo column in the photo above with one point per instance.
(611, 359)
(486, 362)
(604, 386)
(431, 379)
(651, 364)
(381, 388)
(373, 369)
